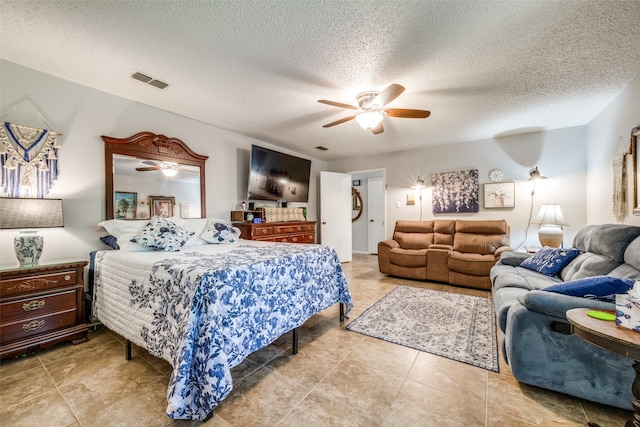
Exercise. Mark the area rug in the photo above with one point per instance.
(458, 327)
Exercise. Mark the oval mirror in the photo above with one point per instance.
(357, 204)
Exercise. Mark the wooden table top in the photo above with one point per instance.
(605, 333)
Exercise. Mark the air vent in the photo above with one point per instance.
(321, 148)
(142, 77)
(158, 84)
(149, 80)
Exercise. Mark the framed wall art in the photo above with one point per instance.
(499, 195)
(161, 206)
(455, 192)
(124, 204)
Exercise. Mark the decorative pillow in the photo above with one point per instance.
(110, 241)
(602, 288)
(163, 235)
(218, 231)
(124, 230)
(550, 261)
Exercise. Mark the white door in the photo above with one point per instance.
(375, 207)
(335, 213)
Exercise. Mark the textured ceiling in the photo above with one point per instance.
(483, 68)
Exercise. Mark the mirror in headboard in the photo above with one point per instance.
(147, 167)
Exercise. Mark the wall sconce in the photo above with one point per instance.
(30, 213)
(551, 221)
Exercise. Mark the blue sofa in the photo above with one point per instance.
(536, 338)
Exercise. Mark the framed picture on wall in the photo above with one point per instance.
(124, 204)
(162, 206)
(499, 195)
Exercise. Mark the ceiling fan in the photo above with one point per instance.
(371, 109)
(170, 169)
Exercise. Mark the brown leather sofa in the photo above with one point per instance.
(458, 252)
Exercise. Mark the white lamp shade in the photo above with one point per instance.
(550, 215)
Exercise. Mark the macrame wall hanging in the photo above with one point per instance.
(620, 181)
(28, 158)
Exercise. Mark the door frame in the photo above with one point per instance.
(365, 174)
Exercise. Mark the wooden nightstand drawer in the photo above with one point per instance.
(36, 283)
(37, 325)
(40, 306)
(34, 306)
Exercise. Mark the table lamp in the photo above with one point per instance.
(29, 213)
(551, 221)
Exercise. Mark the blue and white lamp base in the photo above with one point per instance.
(28, 246)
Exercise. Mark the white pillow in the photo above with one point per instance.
(119, 227)
(125, 230)
(196, 226)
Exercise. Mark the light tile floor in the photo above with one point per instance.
(339, 378)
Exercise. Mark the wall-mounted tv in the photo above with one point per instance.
(278, 176)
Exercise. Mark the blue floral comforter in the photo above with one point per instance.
(206, 308)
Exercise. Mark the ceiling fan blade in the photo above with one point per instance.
(157, 168)
(407, 113)
(337, 122)
(389, 94)
(378, 129)
(337, 104)
(151, 162)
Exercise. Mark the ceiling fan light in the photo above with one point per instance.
(170, 172)
(369, 119)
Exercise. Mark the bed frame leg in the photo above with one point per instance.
(341, 312)
(295, 341)
(128, 350)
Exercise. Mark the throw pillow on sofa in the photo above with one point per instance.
(549, 261)
(597, 287)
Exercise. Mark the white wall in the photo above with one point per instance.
(609, 128)
(83, 114)
(559, 154)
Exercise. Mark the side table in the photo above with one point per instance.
(41, 305)
(609, 336)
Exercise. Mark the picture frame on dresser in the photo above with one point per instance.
(162, 206)
(125, 204)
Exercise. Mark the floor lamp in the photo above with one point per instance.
(419, 186)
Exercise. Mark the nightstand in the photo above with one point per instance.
(40, 306)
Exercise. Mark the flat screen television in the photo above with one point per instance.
(278, 176)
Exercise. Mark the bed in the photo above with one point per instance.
(206, 307)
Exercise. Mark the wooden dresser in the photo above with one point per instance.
(292, 231)
(41, 306)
